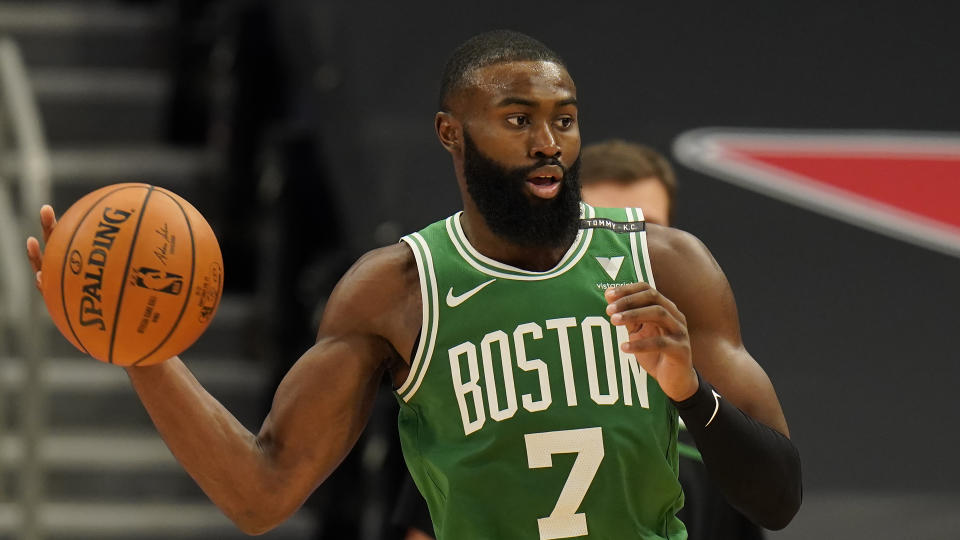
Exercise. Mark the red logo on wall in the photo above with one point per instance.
(903, 184)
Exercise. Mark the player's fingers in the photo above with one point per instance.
(655, 314)
(615, 293)
(34, 254)
(663, 343)
(48, 220)
(642, 298)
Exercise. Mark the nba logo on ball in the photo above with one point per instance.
(132, 274)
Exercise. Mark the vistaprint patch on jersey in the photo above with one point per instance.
(611, 265)
(605, 286)
(615, 226)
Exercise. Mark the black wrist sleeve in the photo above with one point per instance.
(756, 467)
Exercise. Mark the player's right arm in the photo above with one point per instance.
(320, 408)
(687, 332)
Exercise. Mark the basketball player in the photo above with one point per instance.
(539, 372)
(618, 173)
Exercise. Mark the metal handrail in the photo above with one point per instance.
(13, 273)
(28, 314)
(27, 130)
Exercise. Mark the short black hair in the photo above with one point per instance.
(490, 48)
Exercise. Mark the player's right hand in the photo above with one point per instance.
(48, 220)
(659, 337)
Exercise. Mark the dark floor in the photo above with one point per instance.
(875, 516)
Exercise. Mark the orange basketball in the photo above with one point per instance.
(132, 274)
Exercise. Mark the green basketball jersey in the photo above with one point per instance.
(521, 418)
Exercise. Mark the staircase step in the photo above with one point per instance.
(145, 521)
(90, 450)
(102, 105)
(91, 33)
(82, 373)
(84, 393)
(78, 171)
(94, 485)
(56, 17)
(102, 467)
(98, 84)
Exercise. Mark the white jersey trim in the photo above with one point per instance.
(633, 246)
(428, 329)
(638, 249)
(492, 267)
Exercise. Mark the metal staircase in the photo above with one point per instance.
(94, 466)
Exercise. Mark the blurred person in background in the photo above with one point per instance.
(621, 173)
(617, 173)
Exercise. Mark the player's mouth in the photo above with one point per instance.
(545, 182)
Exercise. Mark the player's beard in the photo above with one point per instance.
(501, 197)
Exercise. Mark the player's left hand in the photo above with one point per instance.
(48, 220)
(658, 336)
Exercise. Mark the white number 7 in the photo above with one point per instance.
(588, 445)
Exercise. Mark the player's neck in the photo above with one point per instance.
(489, 244)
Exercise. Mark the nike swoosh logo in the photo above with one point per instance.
(456, 300)
(716, 407)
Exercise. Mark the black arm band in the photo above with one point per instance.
(755, 466)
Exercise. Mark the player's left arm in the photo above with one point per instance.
(686, 334)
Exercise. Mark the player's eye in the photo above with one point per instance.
(518, 120)
(564, 122)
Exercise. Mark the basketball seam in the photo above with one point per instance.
(193, 273)
(63, 273)
(126, 269)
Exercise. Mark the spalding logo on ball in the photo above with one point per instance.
(132, 274)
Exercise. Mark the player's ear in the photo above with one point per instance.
(449, 131)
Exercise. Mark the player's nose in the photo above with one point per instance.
(544, 143)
